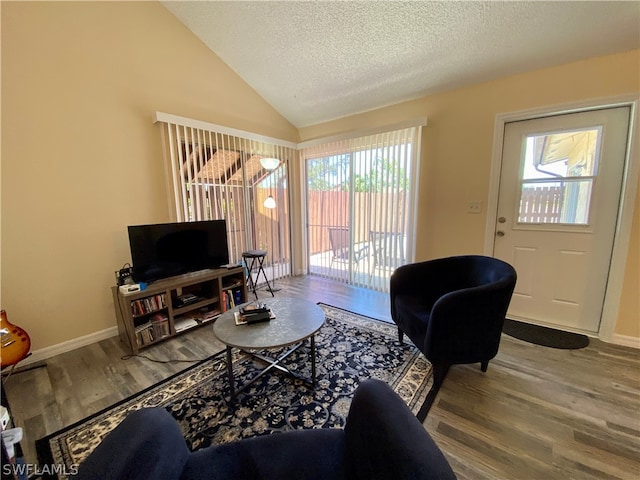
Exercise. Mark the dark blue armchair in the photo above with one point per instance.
(453, 309)
(382, 440)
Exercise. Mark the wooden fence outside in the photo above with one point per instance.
(541, 204)
(371, 212)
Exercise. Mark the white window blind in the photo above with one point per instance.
(361, 206)
(216, 173)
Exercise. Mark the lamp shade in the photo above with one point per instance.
(269, 163)
(269, 202)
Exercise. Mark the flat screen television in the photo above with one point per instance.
(167, 249)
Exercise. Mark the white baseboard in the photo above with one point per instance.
(626, 340)
(47, 352)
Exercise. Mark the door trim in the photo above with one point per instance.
(625, 212)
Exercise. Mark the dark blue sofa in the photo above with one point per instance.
(382, 439)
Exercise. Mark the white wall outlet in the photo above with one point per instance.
(474, 207)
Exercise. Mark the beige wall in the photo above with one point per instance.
(81, 158)
(457, 152)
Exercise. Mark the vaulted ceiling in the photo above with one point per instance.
(316, 61)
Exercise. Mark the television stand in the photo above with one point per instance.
(156, 314)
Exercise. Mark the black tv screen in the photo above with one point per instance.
(167, 249)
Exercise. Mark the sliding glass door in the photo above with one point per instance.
(359, 207)
(215, 175)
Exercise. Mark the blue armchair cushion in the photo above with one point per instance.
(147, 445)
(301, 454)
(386, 441)
(382, 439)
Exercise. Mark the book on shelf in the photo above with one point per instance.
(205, 315)
(184, 323)
(144, 334)
(230, 299)
(237, 296)
(150, 304)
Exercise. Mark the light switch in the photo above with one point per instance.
(474, 207)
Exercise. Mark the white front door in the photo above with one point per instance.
(560, 190)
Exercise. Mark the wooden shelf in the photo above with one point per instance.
(158, 300)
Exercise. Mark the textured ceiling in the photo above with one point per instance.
(317, 61)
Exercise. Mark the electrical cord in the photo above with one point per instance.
(173, 360)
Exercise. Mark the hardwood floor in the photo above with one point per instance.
(537, 413)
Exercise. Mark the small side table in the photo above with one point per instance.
(253, 260)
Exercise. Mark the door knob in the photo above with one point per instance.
(500, 233)
(502, 220)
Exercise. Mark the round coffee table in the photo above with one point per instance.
(295, 321)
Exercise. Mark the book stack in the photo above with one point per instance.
(205, 315)
(148, 305)
(156, 328)
(230, 299)
(254, 313)
(184, 323)
(144, 334)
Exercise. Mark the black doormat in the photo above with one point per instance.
(547, 337)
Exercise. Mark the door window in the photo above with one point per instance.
(558, 174)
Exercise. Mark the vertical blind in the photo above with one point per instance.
(360, 206)
(216, 173)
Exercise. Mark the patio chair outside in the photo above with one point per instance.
(388, 251)
(340, 242)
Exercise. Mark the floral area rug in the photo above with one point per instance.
(349, 347)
